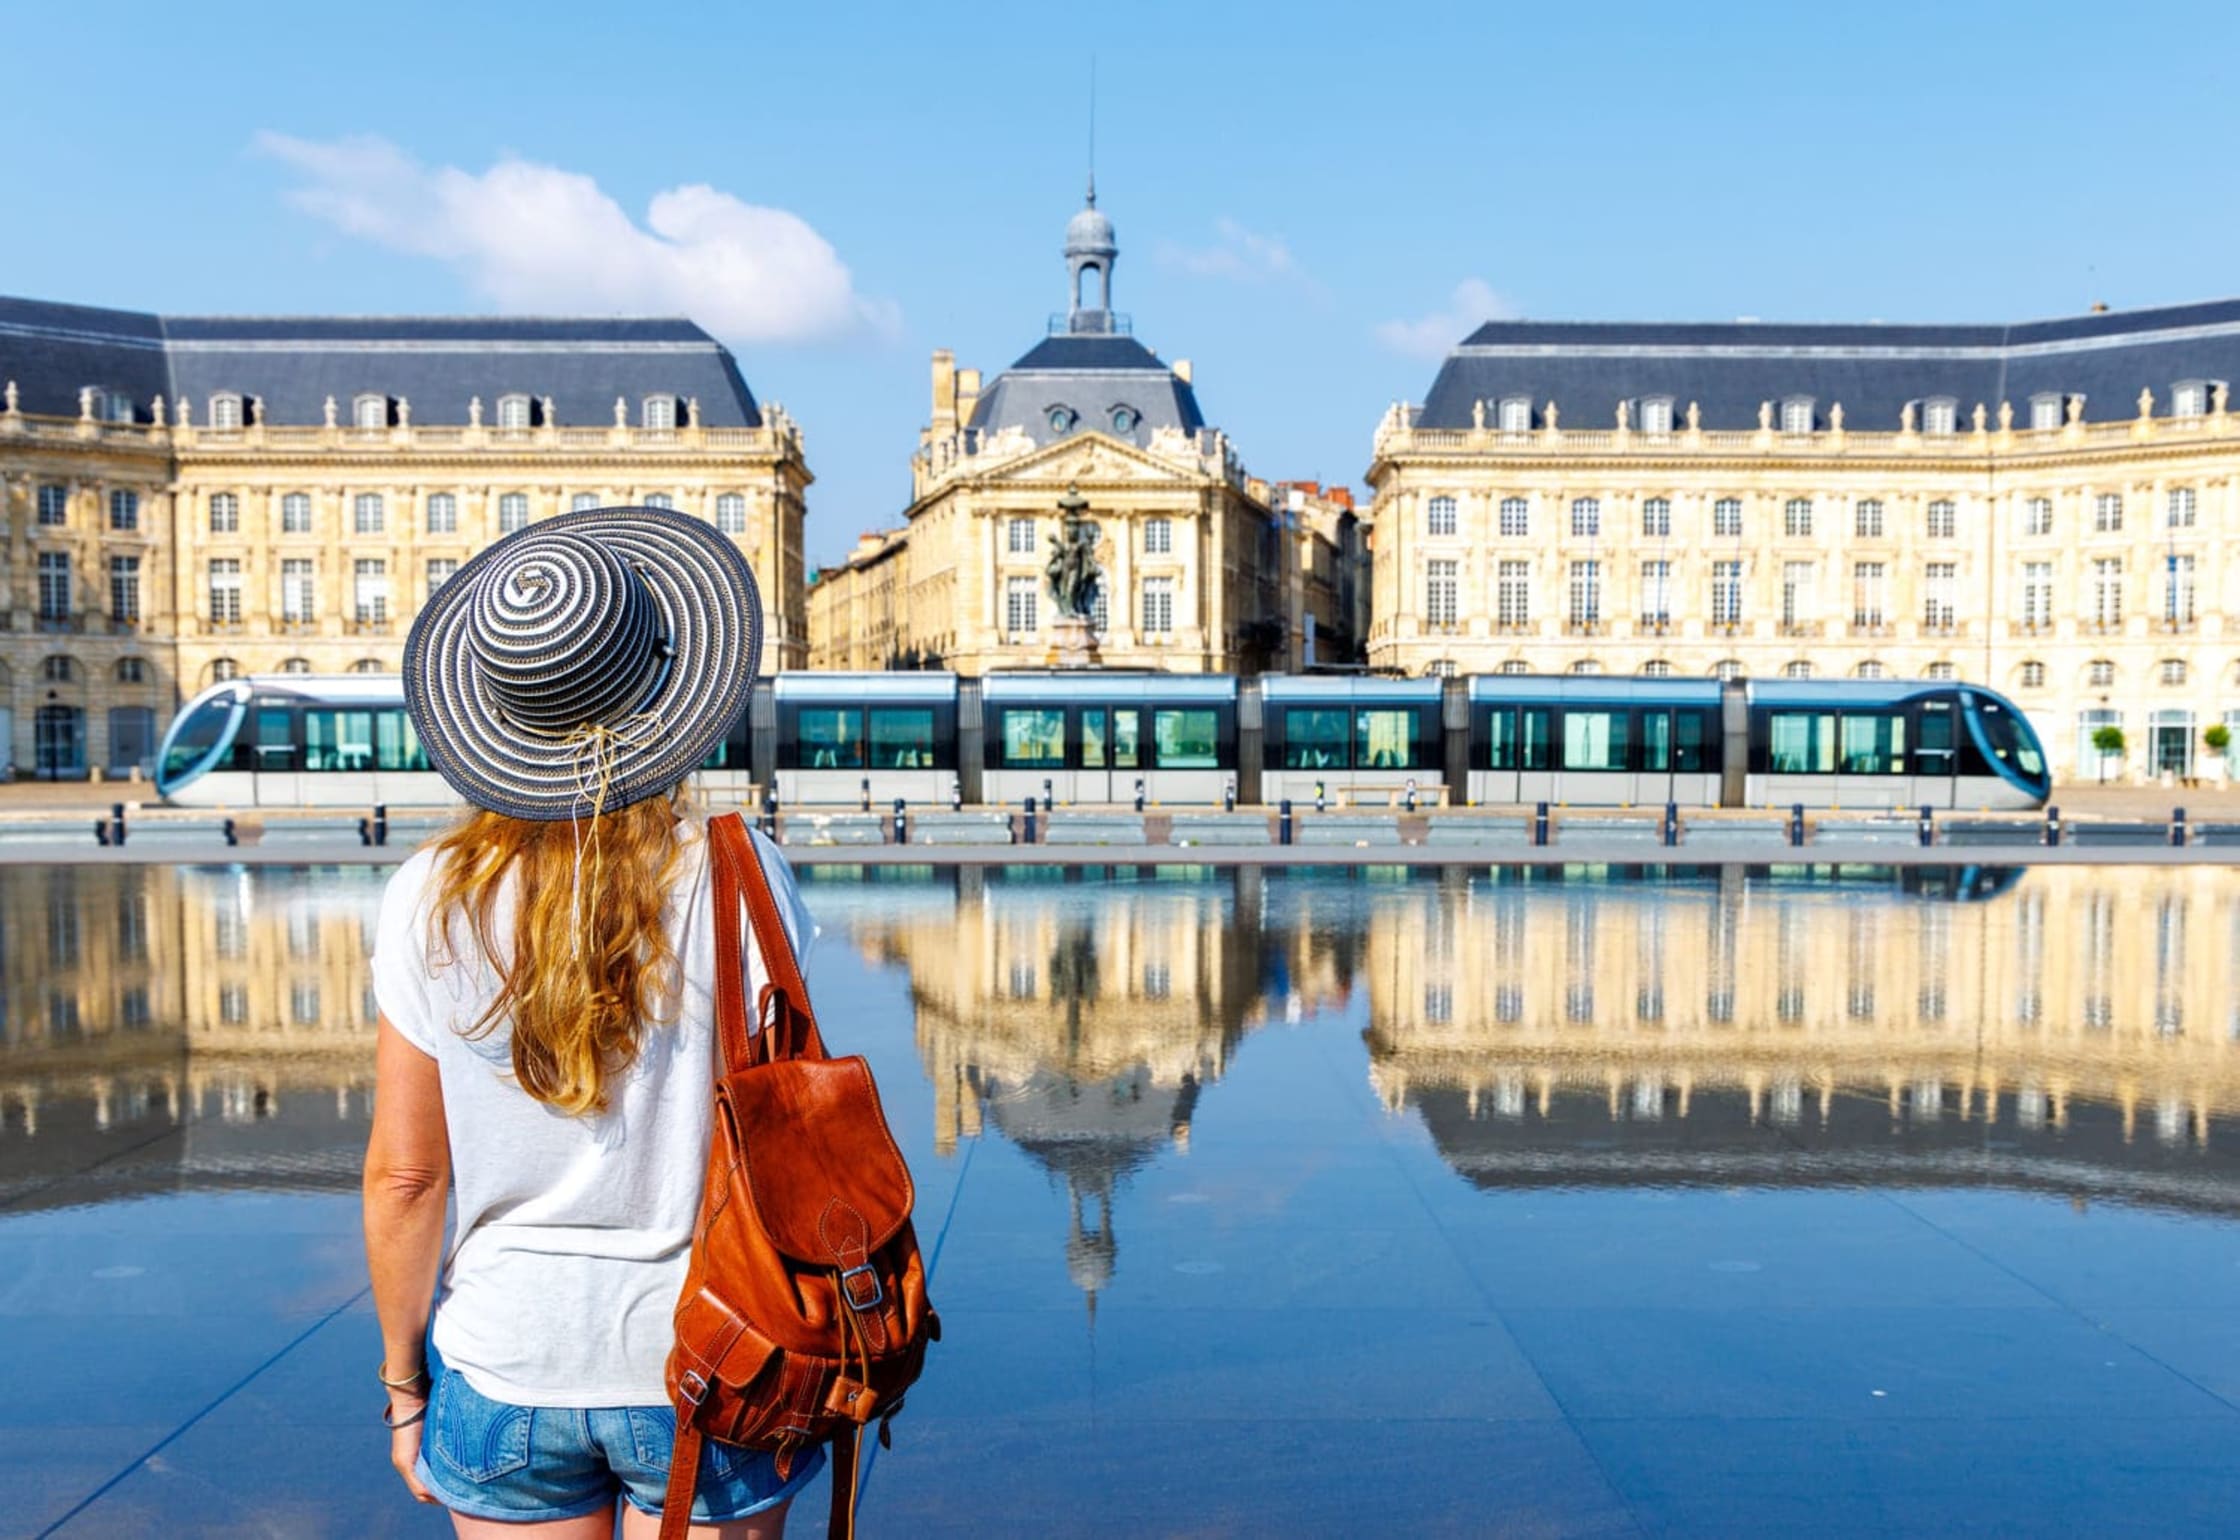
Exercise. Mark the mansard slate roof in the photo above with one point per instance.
(1090, 374)
(1587, 368)
(293, 363)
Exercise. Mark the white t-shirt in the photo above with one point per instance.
(571, 1234)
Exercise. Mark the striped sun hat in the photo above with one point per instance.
(585, 663)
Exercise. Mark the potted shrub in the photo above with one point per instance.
(2217, 738)
(2109, 741)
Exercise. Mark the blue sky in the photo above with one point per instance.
(1310, 198)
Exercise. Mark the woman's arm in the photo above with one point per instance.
(407, 1179)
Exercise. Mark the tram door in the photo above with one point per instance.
(1126, 753)
(1936, 753)
(1653, 746)
(272, 745)
(1093, 781)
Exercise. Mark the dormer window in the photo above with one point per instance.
(1940, 416)
(1062, 419)
(1516, 414)
(658, 413)
(225, 410)
(2045, 412)
(1656, 414)
(109, 405)
(1124, 419)
(1796, 414)
(370, 411)
(513, 411)
(2189, 398)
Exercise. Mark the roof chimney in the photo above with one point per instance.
(2099, 307)
(1181, 367)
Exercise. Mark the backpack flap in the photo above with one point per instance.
(828, 1183)
(715, 1346)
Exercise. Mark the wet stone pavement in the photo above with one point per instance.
(1686, 1201)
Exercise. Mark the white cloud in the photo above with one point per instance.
(1431, 336)
(536, 238)
(1238, 253)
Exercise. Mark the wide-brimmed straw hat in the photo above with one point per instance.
(584, 663)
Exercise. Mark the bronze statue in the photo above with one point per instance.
(1072, 568)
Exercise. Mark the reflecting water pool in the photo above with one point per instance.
(1666, 1200)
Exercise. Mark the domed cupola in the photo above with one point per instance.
(1091, 247)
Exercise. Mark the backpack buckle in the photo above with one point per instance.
(849, 1292)
(693, 1386)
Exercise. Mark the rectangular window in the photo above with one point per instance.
(1034, 737)
(1386, 740)
(1158, 606)
(2037, 594)
(1726, 593)
(2045, 413)
(1020, 537)
(1656, 414)
(52, 587)
(1513, 599)
(124, 588)
(1797, 599)
(658, 413)
(2177, 590)
(370, 411)
(225, 513)
(124, 510)
(1796, 416)
(370, 591)
(1940, 416)
(1656, 593)
(1440, 516)
(731, 513)
(1656, 517)
(299, 591)
(513, 512)
(54, 505)
(347, 739)
(901, 737)
(2180, 508)
(1867, 594)
(443, 514)
(1866, 519)
(1516, 517)
(1314, 738)
(295, 514)
(368, 515)
(1019, 606)
(1516, 415)
(1943, 519)
(829, 738)
(2037, 516)
(2107, 592)
(1586, 517)
(441, 570)
(1796, 518)
(2107, 513)
(653, 500)
(1726, 518)
(582, 501)
(1584, 596)
(1186, 739)
(1939, 586)
(1158, 536)
(1441, 593)
(1596, 740)
(225, 591)
(1874, 743)
(513, 411)
(1802, 743)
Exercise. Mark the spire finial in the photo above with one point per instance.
(1092, 130)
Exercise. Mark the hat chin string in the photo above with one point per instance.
(596, 746)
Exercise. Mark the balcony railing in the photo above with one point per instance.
(1580, 626)
(1799, 628)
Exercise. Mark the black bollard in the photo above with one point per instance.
(2053, 825)
(770, 811)
(1046, 794)
(1030, 820)
(901, 822)
(1796, 823)
(1928, 825)
(1672, 823)
(1540, 823)
(1139, 793)
(1228, 797)
(1283, 822)
(1411, 793)
(381, 823)
(956, 796)
(867, 794)
(2178, 826)
(116, 823)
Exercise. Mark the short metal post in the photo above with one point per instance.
(2178, 826)
(1228, 796)
(2053, 825)
(1672, 823)
(1139, 793)
(1928, 825)
(1046, 794)
(1319, 796)
(1411, 793)
(1283, 822)
(381, 823)
(1030, 820)
(116, 823)
(956, 795)
(1540, 823)
(770, 811)
(901, 822)
(1796, 823)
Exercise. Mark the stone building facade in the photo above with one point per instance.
(1195, 567)
(188, 499)
(2052, 509)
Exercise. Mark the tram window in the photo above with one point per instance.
(276, 739)
(1594, 740)
(1539, 739)
(1314, 739)
(1803, 742)
(831, 738)
(396, 744)
(1691, 748)
(1093, 738)
(1874, 743)
(1653, 731)
(337, 740)
(1499, 729)
(901, 737)
(2011, 742)
(1186, 740)
(1034, 738)
(1385, 740)
(197, 735)
(1127, 740)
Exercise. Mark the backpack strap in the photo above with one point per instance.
(684, 1476)
(788, 1024)
(846, 1447)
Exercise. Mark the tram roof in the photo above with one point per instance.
(1061, 685)
(1298, 687)
(341, 689)
(1620, 689)
(1848, 692)
(869, 685)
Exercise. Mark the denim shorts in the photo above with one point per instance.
(493, 1460)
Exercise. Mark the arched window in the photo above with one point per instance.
(1656, 668)
(57, 669)
(1062, 419)
(1727, 668)
(1515, 666)
(2100, 674)
(2032, 675)
(370, 411)
(1586, 666)
(1440, 668)
(2171, 671)
(225, 410)
(1871, 669)
(513, 411)
(1124, 419)
(368, 666)
(222, 669)
(1941, 671)
(1799, 669)
(658, 413)
(296, 666)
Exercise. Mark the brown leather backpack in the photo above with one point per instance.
(804, 1313)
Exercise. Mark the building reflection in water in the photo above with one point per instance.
(2070, 1029)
